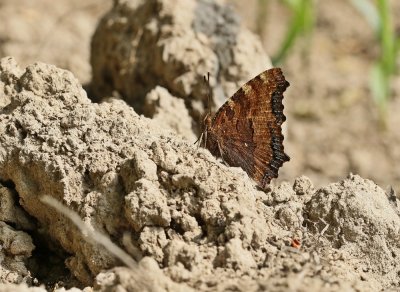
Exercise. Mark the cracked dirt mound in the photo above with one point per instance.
(196, 222)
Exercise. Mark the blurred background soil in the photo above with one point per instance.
(333, 125)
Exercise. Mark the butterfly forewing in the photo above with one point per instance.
(246, 130)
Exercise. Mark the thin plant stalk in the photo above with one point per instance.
(301, 24)
(384, 68)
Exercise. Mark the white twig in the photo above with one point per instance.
(91, 234)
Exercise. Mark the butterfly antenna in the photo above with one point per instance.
(208, 108)
(209, 94)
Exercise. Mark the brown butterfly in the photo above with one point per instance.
(246, 130)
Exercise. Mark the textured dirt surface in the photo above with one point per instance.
(202, 223)
(188, 220)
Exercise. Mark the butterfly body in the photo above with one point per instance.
(246, 131)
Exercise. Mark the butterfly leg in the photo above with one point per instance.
(221, 153)
(199, 139)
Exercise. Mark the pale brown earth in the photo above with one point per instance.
(190, 221)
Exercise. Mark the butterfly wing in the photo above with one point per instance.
(246, 130)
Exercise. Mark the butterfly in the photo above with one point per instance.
(246, 130)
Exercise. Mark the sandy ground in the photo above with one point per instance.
(105, 124)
